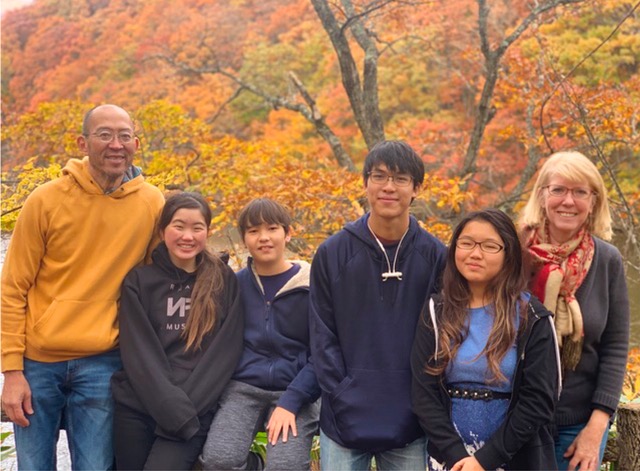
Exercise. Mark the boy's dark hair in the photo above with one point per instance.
(398, 156)
(263, 210)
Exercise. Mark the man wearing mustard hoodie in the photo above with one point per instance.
(75, 240)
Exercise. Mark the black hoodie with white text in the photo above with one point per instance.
(160, 378)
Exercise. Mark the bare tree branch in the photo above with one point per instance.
(221, 108)
(310, 111)
(483, 16)
(362, 93)
(628, 223)
(9, 211)
(321, 126)
(533, 158)
(531, 17)
(485, 110)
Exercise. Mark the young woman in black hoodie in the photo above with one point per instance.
(181, 325)
(485, 359)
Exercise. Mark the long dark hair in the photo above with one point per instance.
(209, 273)
(503, 292)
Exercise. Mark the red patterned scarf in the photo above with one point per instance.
(559, 271)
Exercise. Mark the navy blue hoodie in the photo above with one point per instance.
(276, 339)
(362, 329)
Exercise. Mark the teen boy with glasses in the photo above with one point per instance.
(368, 284)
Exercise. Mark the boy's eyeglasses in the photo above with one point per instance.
(380, 178)
(487, 246)
(560, 191)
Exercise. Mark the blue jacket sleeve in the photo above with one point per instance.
(302, 390)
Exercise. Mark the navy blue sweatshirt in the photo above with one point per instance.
(362, 329)
(276, 354)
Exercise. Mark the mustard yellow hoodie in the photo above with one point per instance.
(69, 252)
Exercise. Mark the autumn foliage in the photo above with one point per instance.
(177, 153)
(244, 98)
(211, 83)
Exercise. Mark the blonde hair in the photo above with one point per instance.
(576, 168)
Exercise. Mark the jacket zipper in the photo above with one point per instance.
(522, 354)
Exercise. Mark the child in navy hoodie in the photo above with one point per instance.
(274, 384)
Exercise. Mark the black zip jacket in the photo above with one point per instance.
(525, 440)
(160, 379)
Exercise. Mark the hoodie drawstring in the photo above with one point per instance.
(391, 271)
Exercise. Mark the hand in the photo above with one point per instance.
(16, 398)
(467, 464)
(585, 449)
(281, 420)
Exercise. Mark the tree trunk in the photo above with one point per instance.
(629, 436)
(362, 93)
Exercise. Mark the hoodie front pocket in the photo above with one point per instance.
(76, 326)
(372, 409)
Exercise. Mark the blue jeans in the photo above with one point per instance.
(74, 395)
(335, 457)
(566, 436)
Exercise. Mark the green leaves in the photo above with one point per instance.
(6, 451)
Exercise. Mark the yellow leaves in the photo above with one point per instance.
(444, 192)
(441, 230)
(320, 195)
(216, 221)
(18, 184)
(49, 133)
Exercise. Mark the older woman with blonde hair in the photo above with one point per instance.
(580, 278)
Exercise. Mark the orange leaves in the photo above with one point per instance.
(631, 385)
(445, 192)
(430, 74)
(321, 196)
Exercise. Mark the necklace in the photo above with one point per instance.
(391, 271)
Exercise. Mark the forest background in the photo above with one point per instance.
(239, 99)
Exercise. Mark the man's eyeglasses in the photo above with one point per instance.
(380, 178)
(108, 136)
(488, 246)
(560, 191)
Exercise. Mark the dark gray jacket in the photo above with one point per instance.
(596, 382)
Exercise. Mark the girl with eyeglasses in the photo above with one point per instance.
(484, 359)
(580, 278)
